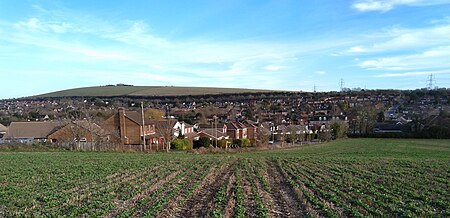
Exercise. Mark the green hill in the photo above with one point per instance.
(105, 91)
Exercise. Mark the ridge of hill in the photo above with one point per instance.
(128, 90)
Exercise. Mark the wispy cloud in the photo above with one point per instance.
(387, 5)
(396, 38)
(46, 41)
(273, 67)
(132, 43)
(434, 58)
(138, 34)
(400, 49)
(408, 74)
(320, 72)
(35, 24)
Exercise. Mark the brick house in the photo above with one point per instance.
(236, 130)
(213, 134)
(183, 128)
(81, 131)
(251, 130)
(29, 132)
(129, 128)
(3, 130)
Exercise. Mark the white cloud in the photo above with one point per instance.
(131, 46)
(404, 39)
(408, 74)
(404, 49)
(35, 24)
(357, 49)
(46, 41)
(320, 72)
(138, 34)
(433, 58)
(272, 68)
(387, 5)
(134, 43)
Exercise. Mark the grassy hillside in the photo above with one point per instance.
(346, 178)
(106, 91)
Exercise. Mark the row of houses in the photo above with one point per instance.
(122, 128)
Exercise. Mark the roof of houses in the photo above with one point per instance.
(250, 125)
(213, 133)
(3, 128)
(36, 130)
(91, 127)
(137, 117)
(251, 122)
(163, 123)
(191, 135)
(187, 125)
(204, 126)
(235, 125)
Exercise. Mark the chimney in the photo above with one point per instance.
(122, 125)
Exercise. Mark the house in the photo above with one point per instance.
(81, 132)
(320, 120)
(236, 130)
(186, 130)
(213, 134)
(29, 132)
(129, 127)
(251, 130)
(3, 130)
(182, 128)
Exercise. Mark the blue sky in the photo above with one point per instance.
(281, 44)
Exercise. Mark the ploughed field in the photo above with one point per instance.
(353, 178)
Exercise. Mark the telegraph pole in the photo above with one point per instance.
(215, 129)
(143, 124)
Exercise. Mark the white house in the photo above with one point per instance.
(183, 128)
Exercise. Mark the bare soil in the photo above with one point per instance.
(201, 204)
(286, 202)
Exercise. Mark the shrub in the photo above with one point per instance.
(237, 142)
(339, 129)
(223, 143)
(245, 142)
(241, 142)
(324, 136)
(202, 142)
(181, 144)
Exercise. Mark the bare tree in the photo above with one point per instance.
(283, 134)
(262, 136)
(79, 125)
(301, 133)
(165, 130)
(292, 135)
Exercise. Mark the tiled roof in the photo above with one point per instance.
(32, 129)
(137, 117)
(3, 128)
(235, 125)
(212, 133)
(191, 135)
(91, 127)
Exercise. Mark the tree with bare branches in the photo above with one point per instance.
(262, 136)
(165, 130)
